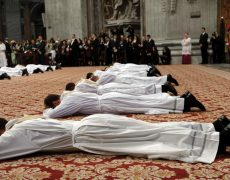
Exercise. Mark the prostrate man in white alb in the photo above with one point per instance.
(130, 79)
(86, 85)
(14, 71)
(129, 69)
(118, 103)
(184, 141)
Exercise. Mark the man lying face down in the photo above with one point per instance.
(118, 103)
(86, 85)
(130, 79)
(184, 141)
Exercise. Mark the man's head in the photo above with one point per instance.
(89, 75)
(52, 100)
(203, 29)
(70, 86)
(3, 123)
(148, 37)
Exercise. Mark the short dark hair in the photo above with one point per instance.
(3, 123)
(48, 101)
(203, 28)
(89, 75)
(70, 86)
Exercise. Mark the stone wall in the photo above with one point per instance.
(64, 18)
(13, 25)
(165, 21)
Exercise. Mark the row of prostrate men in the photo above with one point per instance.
(119, 89)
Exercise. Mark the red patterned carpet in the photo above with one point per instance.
(24, 95)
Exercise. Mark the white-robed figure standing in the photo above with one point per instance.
(107, 134)
(3, 60)
(86, 85)
(186, 49)
(117, 103)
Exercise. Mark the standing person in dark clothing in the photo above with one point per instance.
(143, 48)
(74, 51)
(151, 51)
(95, 49)
(136, 50)
(108, 56)
(115, 47)
(8, 53)
(122, 50)
(204, 46)
(40, 45)
(213, 42)
(129, 50)
(166, 56)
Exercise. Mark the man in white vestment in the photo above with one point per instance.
(86, 85)
(108, 134)
(14, 71)
(131, 69)
(130, 79)
(118, 103)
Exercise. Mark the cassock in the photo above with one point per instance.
(107, 134)
(115, 103)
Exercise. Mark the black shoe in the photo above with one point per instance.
(190, 101)
(150, 73)
(156, 71)
(58, 66)
(35, 71)
(25, 72)
(185, 94)
(221, 123)
(172, 80)
(224, 140)
(167, 87)
(38, 70)
(49, 69)
(6, 76)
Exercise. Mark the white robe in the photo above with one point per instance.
(132, 89)
(31, 67)
(3, 60)
(130, 79)
(114, 135)
(125, 69)
(116, 103)
(11, 71)
(186, 46)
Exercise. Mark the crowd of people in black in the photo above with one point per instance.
(93, 50)
(102, 50)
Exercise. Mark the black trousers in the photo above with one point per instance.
(204, 54)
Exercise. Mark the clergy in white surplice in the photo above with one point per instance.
(118, 103)
(86, 85)
(108, 134)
